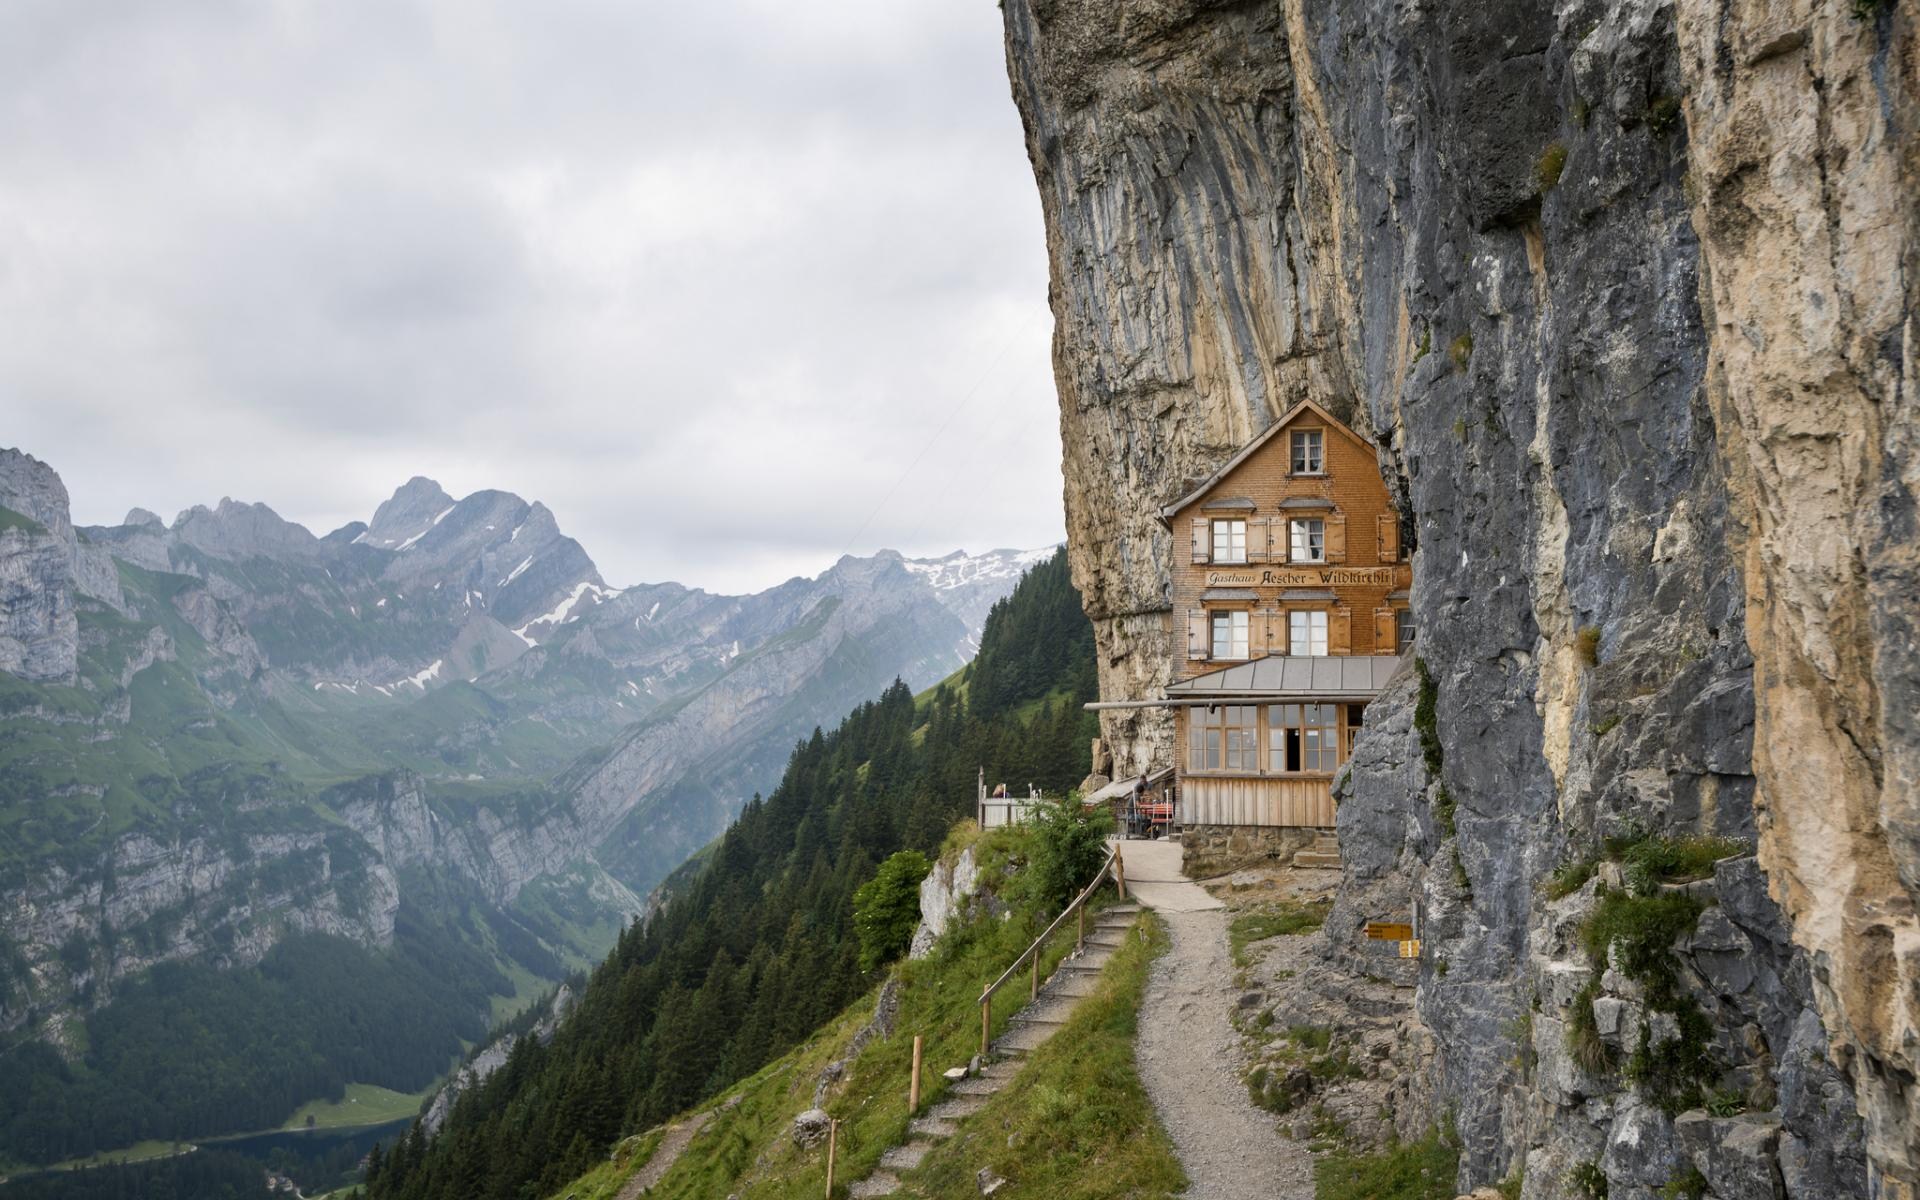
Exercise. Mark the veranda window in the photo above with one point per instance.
(1226, 738)
(1303, 737)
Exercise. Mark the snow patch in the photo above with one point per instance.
(416, 537)
(515, 573)
(420, 679)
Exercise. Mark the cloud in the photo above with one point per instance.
(732, 287)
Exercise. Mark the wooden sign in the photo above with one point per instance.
(1410, 949)
(1296, 577)
(1389, 931)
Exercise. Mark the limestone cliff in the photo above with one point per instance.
(1622, 291)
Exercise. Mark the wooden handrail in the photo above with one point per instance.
(1112, 866)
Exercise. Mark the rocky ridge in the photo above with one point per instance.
(588, 739)
(1621, 293)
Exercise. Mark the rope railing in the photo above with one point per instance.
(1113, 866)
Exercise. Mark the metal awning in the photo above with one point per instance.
(1306, 502)
(1329, 677)
(1229, 594)
(1120, 788)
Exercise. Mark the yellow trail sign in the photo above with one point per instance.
(1410, 949)
(1389, 931)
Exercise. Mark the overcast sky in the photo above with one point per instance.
(733, 287)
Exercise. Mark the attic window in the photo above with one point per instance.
(1308, 448)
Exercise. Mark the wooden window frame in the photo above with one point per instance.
(1294, 642)
(1234, 742)
(1213, 637)
(1328, 728)
(1292, 544)
(1214, 525)
(1293, 467)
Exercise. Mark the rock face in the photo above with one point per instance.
(43, 565)
(1621, 292)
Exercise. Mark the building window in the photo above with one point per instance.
(1309, 539)
(1230, 541)
(1403, 629)
(1224, 739)
(1307, 457)
(1306, 633)
(1303, 737)
(1230, 634)
(1356, 720)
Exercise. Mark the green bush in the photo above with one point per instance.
(1422, 1170)
(1068, 844)
(1569, 878)
(1553, 160)
(886, 908)
(1588, 1180)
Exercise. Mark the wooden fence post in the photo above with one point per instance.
(986, 1022)
(913, 1089)
(1120, 874)
(1080, 936)
(1034, 994)
(833, 1137)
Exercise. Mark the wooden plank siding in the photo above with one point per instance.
(1240, 800)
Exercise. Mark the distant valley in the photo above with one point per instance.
(440, 735)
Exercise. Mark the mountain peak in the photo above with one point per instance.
(412, 509)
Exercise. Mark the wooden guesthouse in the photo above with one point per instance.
(1290, 607)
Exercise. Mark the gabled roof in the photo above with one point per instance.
(1247, 451)
(1324, 677)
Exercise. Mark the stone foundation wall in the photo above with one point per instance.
(1209, 850)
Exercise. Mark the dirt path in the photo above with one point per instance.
(664, 1156)
(1188, 1053)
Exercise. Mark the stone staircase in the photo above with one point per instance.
(1323, 853)
(1030, 1028)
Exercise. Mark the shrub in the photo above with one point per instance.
(886, 908)
(1569, 878)
(1584, 1042)
(1640, 932)
(1068, 844)
(1588, 643)
(1690, 1186)
(1650, 861)
(1588, 1180)
(1553, 160)
(1422, 1170)
(1461, 350)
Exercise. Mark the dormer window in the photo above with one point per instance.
(1309, 448)
(1308, 543)
(1230, 541)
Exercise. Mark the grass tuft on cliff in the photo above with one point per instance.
(1422, 1170)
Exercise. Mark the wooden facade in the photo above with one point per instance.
(1291, 551)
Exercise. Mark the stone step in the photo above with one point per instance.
(907, 1157)
(957, 1109)
(1024, 1037)
(1119, 910)
(1048, 1010)
(976, 1087)
(880, 1183)
(1091, 963)
(1000, 1072)
(1314, 859)
(1076, 985)
(934, 1128)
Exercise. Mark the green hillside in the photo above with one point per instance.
(747, 959)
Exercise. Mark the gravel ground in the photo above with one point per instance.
(1189, 1055)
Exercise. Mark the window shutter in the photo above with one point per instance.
(1340, 631)
(1389, 537)
(1385, 633)
(1283, 538)
(1257, 539)
(1202, 537)
(1197, 633)
(1336, 537)
(1275, 623)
